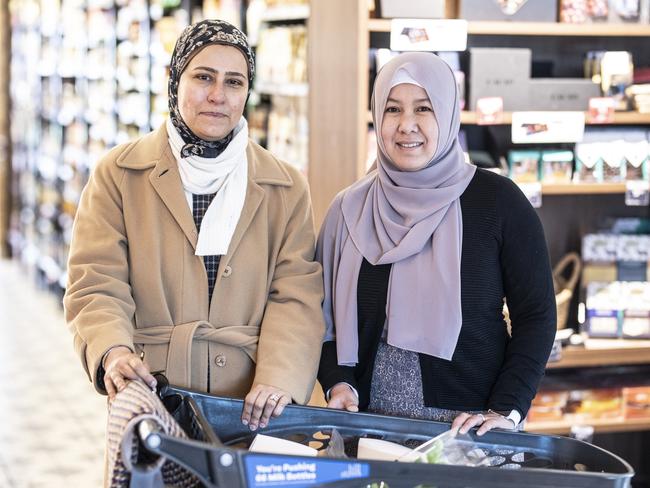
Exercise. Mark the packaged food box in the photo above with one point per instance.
(637, 402)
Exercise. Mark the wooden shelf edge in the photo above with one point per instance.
(583, 188)
(577, 357)
(620, 118)
(563, 427)
(537, 28)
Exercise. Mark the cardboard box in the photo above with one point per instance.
(637, 402)
(604, 309)
(523, 166)
(499, 72)
(556, 166)
(592, 273)
(417, 9)
(561, 94)
(529, 11)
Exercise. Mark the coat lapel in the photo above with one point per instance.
(254, 197)
(167, 183)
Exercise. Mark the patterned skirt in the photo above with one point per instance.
(396, 387)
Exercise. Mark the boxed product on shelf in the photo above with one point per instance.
(613, 159)
(603, 309)
(618, 309)
(561, 93)
(519, 11)
(617, 74)
(635, 165)
(639, 97)
(608, 248)
(415, 9)
(598, 272)
(524, 166)
(633, 248)
(589, 164)
(636, 324)
(499, 72)
(548, 406)
(610, 11)
(556, 166)
(637, 402)
(601, 403)
(636, 316)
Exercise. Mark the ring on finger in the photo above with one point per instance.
(482, 417)
(274, 397)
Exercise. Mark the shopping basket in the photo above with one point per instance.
(217, 451)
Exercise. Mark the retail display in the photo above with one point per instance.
(585, 406)
(615, 11)
(85, 75)
(279, 109)
(512, 10)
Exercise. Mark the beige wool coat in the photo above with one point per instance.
(133, 278)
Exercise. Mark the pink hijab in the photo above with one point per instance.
(410, 219)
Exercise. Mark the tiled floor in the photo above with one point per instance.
(52, 423)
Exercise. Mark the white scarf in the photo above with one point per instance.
(227, 174)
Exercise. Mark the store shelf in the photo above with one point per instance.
(620, 118)
(604, 352)
(563, 427)
(538, 29)
(286, 12)
(583, 189)
(284, 89)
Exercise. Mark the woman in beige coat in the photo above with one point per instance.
(193, 248)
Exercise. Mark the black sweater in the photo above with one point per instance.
(504, 254)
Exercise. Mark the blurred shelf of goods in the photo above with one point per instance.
(278, 106)
(89, 74)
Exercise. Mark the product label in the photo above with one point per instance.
(533, 192)
(275, 471)
(544, 127)
(428, 35)
(637, 193)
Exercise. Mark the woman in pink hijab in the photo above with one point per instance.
(418, 257)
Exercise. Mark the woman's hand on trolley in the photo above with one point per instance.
(484, 421)
(343, 397)
(122, 365)
(262, 403)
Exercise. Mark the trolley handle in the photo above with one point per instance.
(149, 432)
(191, 455)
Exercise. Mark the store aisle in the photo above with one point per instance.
(52, 423)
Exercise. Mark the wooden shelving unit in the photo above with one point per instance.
(538, 29)
(597, 353)
(620, 118)
(601, 426)
(604, 352)
(583, 189)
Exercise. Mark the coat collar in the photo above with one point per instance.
(152, 149)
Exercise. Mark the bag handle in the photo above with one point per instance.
(568, 260)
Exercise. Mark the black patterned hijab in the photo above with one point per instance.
(194, 38)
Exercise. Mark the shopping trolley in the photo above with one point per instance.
(217, 451)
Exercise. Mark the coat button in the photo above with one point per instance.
(227, 271)
(220, 360)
